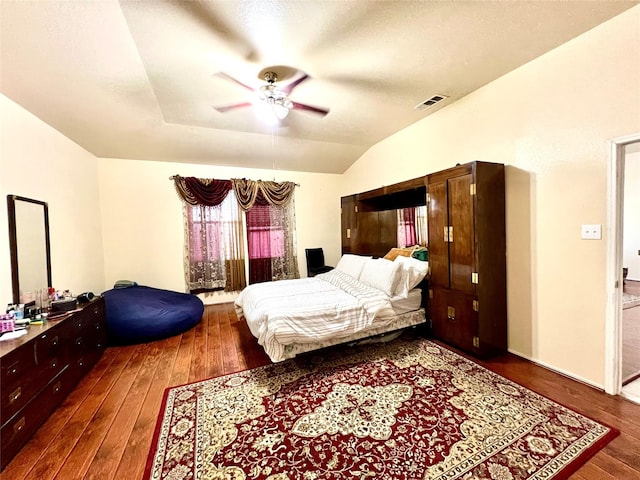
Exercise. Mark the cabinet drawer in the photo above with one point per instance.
(28, 369)
(89, 315)
(16, 395)
(16, 364)
(48, 346)
(26, 421)
(89, 335)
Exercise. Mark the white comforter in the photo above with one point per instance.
(330, 305)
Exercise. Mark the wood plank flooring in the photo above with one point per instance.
(103, 430)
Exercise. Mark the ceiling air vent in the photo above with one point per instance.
(430, 102)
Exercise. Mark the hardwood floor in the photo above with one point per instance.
(103, 430)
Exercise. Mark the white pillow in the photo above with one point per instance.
(382, 274)
(412, 273)
(352, 264)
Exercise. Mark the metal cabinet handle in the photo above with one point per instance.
(15, 395)
(19, 425)
(13, 369)
(451, 313)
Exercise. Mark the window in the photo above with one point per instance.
(214, 233)
(412, 226)
(214, 253)
(271, 243)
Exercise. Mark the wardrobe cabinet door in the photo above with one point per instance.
(461, 233)
(438, 234)
(453, 318)
(349, 223)
(367, 233)
(387, 232)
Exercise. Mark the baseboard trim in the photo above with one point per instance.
(557, 370)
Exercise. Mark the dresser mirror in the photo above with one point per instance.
(29, 246)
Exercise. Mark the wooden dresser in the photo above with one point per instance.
(467, 257)
(40, 368)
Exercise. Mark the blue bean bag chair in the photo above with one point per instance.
(140, 314)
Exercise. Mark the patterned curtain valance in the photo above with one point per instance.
(202, 191)
(211, 192)
(250, 192)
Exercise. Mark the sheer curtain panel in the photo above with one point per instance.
(271, 242)
(214, 252)
(406, 227)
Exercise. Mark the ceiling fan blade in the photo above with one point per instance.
(310, 108)
(289, 88)
(226, 108)
(204, 14)
(230, 78)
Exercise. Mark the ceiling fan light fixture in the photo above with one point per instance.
(271, 103)
(271, 112)
(281, 111)
(277, 101)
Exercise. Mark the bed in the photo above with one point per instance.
(362, 297)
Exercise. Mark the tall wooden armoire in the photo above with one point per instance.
(467, 257)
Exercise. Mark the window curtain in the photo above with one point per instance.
(421, 226)
(406, 227)
(271, 234)
(214, 237)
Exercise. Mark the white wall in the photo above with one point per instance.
(38, 162)
(143, 224)
(550, 122)
(631, 235)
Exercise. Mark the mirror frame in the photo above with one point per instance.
(13, 243)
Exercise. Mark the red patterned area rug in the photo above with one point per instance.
(406, 410)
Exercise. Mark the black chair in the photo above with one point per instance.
(315, 262)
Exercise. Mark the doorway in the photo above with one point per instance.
(622, 149)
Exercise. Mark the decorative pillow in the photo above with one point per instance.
(412, 273)
(381, 274)
(352, 264)
(394, 252)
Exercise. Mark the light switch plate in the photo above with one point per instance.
(591, 232)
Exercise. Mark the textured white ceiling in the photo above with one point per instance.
(137, 78)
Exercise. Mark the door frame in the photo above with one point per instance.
(613, 275)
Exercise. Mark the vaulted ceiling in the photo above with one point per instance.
(139, 79)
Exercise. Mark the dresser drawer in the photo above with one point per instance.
(89, 330)
(29, 369)
(15, 396)
(49, 345)
(26, 421)
(89, 338)
(16, 365)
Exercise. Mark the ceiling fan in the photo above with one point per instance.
(274, 97)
